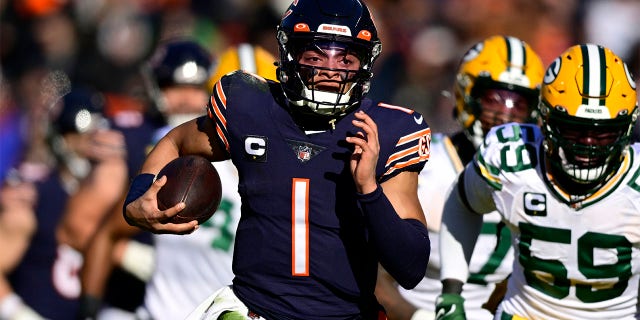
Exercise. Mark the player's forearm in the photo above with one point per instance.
(387, 294)
(97, 264)
(403, 245)
(458, 235)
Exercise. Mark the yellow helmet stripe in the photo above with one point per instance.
(594, 76)
(246, 57)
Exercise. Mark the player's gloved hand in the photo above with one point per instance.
(450, 306)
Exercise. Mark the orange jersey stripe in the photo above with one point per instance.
(222, 137)
(221, 95)
(404, 164)
(390, 106)
(219, 114)
(413, 136)
(400, 154)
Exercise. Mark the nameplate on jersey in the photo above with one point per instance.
(255, 148)
(304, 151)
(535, 204)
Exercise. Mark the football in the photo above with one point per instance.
(194, 181)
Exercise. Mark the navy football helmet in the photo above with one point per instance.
(181, 62)
(322, 25)
(80, 111)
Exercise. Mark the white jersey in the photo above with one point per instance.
(491, 262)
(191, 267)
(573, 261)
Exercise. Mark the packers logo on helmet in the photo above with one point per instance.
(552, 71)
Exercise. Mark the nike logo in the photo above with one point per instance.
(418, 120)
(441, 313)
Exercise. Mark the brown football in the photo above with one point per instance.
(194, 181)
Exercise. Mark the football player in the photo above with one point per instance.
(498, 81)
(328, 178)
(568, 192)
(41, 255)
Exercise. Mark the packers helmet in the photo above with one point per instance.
(588, 109)
(501, 63)
(245, 56)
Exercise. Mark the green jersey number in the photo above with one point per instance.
(558, 284)
(224, 240)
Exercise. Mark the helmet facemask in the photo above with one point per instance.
(587, 151)
(493, 103)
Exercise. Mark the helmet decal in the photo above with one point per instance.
(473, 52)
(632, 81)
(552, 71)
(334, 29)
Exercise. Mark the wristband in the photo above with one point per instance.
(139, 185)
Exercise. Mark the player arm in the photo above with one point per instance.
(101, 256)
(196, 137)
(97, 196)
(392, 210)
(387, 294)
(394, 215)
(467, 200)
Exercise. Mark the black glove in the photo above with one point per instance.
(89, 307)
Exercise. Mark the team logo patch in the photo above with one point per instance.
(535, 204)
(304, 151)
(255, 148)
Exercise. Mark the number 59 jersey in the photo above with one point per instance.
(574, 258)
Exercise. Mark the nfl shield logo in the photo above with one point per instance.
(304, 153)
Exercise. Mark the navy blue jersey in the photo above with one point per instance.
(301, 248)
(47, 277)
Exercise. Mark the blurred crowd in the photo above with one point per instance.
(45, 45)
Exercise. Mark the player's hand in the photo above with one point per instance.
(365, 154)
(144, 213)
(105, 145)
(450, 306)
